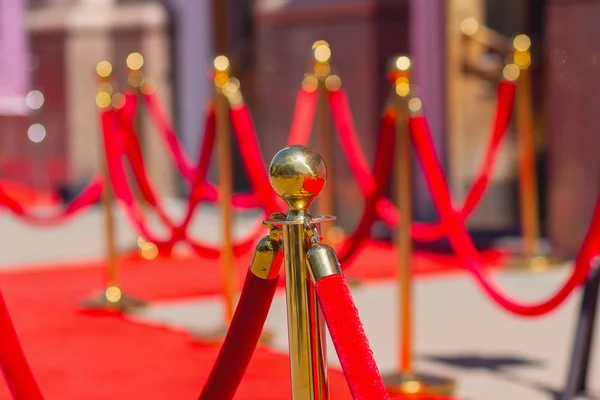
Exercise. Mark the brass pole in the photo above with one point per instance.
(322, 69)
(225, 183)
(103, 100)
(109, 233)
(324, 138)
(405, 380)
(112, 297)
(528, 189)
(403, 234)
(400, 76)
(135, 80)
(298, 174)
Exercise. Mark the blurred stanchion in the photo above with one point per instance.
(324, 82)
(227, 92)
(221, 80)
(322, 74)
(532, 256)
(406, 380)
(112, 298)
(221, 64)
(135, 80)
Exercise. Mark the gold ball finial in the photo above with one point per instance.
(298, 175)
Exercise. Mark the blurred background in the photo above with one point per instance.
(49, 50)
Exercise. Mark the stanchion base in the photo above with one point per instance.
(539, 263)
(217, 336)
(112, 299)
(419, 384)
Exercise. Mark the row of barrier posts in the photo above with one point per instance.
(304, 320)
(227, 91)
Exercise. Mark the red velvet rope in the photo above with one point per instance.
(14, 365)
(349, 339)
(252, 159)
(181, 159)
(88, 197)
(384, 156)
(27, 195)
(133, 152)
(304, 115)
(114, 149)
(131, 104)
(464, 247)
(342, 118)
(241, 340)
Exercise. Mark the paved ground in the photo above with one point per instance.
(493, 355)
(83, 237)
(460, 333)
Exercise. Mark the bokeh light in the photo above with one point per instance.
(522, 43)
(34, 99)
(36, 133)
(511, 72)
(322, 53)
(415, 104)
(221, 63)
(103, 99)
(134, 61)
(118, 100)
(333, 83)
(403, 63)
(104, 69)
(469, 26)
(310, 83)
(113, 294)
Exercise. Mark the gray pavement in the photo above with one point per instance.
(459, 332)
(83, 237)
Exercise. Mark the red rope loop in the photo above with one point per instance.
(466, 250)
(181, 159)
(342, 118)
(88, 197)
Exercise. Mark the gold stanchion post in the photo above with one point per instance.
(298, 175)
(406, 380)
(227, 94)
(136, 80)
(221, 64)
(112, 298)
(532, 257)
(324, 82)
(528, 188)
(322, 73)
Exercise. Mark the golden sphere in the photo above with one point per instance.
(298, 175)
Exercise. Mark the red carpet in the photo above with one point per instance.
(84, 356)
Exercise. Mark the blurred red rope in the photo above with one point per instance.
(14, 365)
(88, 197)
(463, 244)
(115, 152)
(343, 121)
